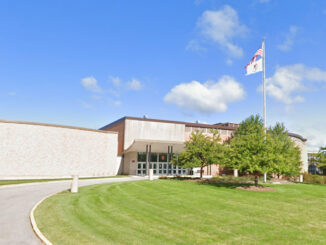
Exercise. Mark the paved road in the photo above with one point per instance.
(16, 202)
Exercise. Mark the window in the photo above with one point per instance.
(163, 157)
(144, 165)
(141, 157)
(153, 157)
(139, 165)
(155, 165)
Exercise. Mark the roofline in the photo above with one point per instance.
(56, 126)
(112, 123)
(189, 124)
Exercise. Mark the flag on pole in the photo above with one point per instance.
(255, 65)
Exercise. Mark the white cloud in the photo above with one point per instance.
(116, 81)
(206, 97)
(134, 84)
(288, 81)
(194, 45)
(229, 62)
(316, 137)
(289, 39)
(90, 83)
(12, 93)
(222, 26)
(117, 103)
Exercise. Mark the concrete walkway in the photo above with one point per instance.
(16, 202)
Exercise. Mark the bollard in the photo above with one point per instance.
(265, 177)
(235, 172)
(150, 174)
(74, 184)
(301, 178)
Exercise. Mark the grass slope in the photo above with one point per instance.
(180, 212)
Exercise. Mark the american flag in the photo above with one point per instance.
(259, 52)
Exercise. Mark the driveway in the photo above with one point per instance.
(16, 202)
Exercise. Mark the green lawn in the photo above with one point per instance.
(181, 212)
(24, 181)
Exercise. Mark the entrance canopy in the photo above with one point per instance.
(156, 146)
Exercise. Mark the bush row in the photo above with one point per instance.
(314, 178)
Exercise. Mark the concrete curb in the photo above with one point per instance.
(36, 230)
(56, 181)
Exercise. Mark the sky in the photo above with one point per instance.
(88, 63)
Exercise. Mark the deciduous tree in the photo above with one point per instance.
(201, 150)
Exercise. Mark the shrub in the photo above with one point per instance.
(314, 178)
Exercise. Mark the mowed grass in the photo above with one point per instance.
(181, 212)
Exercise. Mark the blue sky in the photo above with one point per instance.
(88, 63)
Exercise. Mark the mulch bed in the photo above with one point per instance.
(255, 188)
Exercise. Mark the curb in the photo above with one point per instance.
(55, 181)
(36, 230)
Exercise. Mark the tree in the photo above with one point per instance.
(321, 158)
(247, 147)
(282, 154)
(254, 151)
(200, 151)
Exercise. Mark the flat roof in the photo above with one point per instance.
(191, 124)
(56, 125)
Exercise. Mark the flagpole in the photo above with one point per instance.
(264, 84)
(264, 87)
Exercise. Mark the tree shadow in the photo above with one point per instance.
(230, 185)
(222, 183)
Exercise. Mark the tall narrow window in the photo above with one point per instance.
(141, 156)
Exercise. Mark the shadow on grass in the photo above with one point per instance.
(231, 185)
(220, 183)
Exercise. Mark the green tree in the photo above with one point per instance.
(247, 147)
(321, 158)
(282, 154)
(201, 150)
(254, 151)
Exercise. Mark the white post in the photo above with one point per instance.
(150, 174)
(301, 178)
(74, 184)
(265, 177)
(235, 173)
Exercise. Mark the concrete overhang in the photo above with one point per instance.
(139, 145)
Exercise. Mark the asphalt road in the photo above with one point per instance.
(16, 202)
